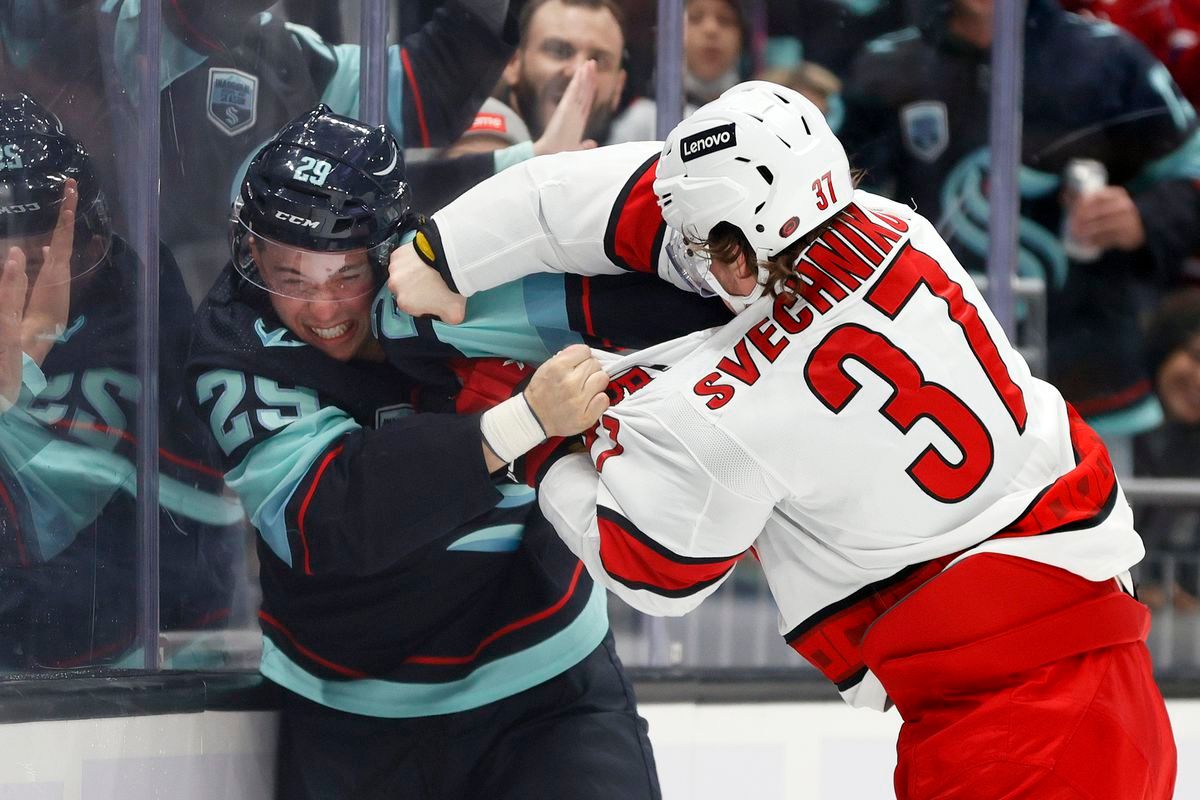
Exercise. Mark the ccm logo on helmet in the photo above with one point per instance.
(712, 140)
(292, 218)
(20, 208)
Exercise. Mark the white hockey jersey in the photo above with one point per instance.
(855, 436)
(591, 212)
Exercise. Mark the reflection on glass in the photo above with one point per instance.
(70, 392)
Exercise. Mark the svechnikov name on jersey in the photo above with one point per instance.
(832, 269)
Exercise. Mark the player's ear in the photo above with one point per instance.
(746, 265)
(512, 70)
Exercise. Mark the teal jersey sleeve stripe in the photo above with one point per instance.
(270, 473)
(492, 539)
(341, 93)
(510, 156)
(492, 681)
(546, 305)
(68, 484)
(525, 320)
(1182, 162)
(515, 495)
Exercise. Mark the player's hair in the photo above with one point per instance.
(610, 6)
(726, 242)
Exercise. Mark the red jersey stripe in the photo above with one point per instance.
(831, 639)
(640, 563)
(635, 227)
(416, 93)
(312, 489)
(507, 629)
(349, 672)
(1080, 498)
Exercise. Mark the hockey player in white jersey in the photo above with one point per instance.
(939, 529)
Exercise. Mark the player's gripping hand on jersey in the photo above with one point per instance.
(564, 397)
(567, 392)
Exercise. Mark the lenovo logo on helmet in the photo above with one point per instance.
(710, 141)
(20, 208)
(301, 221)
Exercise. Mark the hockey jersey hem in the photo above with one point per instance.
(492, 681)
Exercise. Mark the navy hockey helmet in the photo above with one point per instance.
(321, 208)
(37, 158)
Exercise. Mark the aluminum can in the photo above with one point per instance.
(1081, 177)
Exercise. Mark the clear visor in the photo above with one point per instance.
(308, 275)
(690, 264)
(65, 251)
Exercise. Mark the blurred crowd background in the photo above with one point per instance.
(1108, 250)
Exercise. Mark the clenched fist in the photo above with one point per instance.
(567, 392)
(419, 289)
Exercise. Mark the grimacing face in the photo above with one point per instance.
(324, 299)
(560, 39)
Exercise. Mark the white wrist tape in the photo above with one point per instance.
(511, 429)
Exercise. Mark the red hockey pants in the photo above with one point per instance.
(1019, 680)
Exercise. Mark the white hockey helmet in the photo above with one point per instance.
(760, 157)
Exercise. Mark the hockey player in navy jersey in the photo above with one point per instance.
(71, 558)
(433, 636)
(940, 530)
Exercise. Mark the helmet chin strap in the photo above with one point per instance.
(738, 303)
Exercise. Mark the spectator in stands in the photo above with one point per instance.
(1173, 449)
(234, 76)
(557, 38)
(917, 121)
(714, 37)
(495, 127)
(498, 130)
(1170, 29)
(830, 32)
(813, 81)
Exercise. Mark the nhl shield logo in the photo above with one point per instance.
(232, 100)
(926, 129)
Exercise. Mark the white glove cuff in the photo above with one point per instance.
(511, 429)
